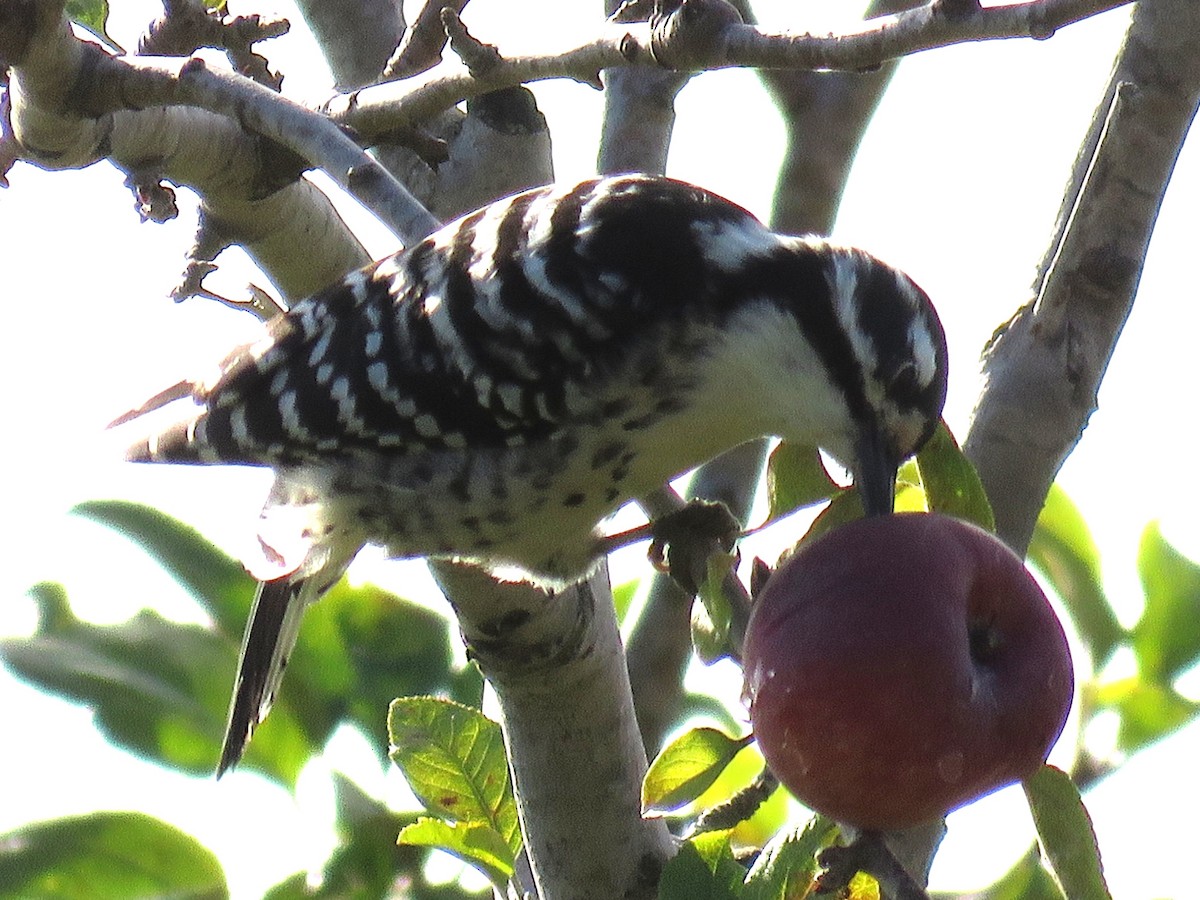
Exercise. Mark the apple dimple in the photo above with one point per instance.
(901, 666)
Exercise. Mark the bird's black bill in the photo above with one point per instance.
(875, 475)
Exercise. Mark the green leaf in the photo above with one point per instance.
(1166, 640)
(703, 869)
(216, 580)
(845, 507)
(623, 595)
(687, 767)
(1148, 711)
(796, 478)
(157, 688)
(453, 758)
(1062, 549)
(475, 843)
(358, 648)
(93, 15)
(294, 887)
(952, 485)
(1065, 832)
(787, 866)
(1027, 880)
(107, 856)
(711, 617)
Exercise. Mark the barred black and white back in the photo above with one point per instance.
(494, 392)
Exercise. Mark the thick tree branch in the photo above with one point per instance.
(248, 186)
(1044, 367)
(355, 36)
(556, 664)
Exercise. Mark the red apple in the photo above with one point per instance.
(902, 666)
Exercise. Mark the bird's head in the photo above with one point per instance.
(865, 355)
(895, 386)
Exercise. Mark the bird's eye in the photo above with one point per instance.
(904, 385)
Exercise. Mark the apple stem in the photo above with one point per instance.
(738, 808)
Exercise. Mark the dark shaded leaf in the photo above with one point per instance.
(687, 767)
(453, 758)
(1166, 639)
(156, 687)
(711, 617)
(107, 856)
(368, 861)
(1027, 880)
(843, 508)
(787, 866)
(1062, 549)
(703, 869)
(358, 648)
(1065, 833)
(951, 484)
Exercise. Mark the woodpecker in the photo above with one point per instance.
(495, 391)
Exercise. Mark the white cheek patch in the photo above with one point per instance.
(729, 245)
(924, 352)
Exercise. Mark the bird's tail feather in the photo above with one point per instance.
(270, 637)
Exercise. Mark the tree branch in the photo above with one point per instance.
(355, 36)
(556, 664)
(248, 186)
(1044, 367)
(691, 42)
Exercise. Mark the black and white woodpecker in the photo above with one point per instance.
(495, 391)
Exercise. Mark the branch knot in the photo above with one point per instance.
(690, 35)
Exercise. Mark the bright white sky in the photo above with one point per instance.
(958, 183)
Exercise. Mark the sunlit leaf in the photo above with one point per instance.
(687, 767)
(475, 843)
(107, 856)
(951, 484)
(453, 757)
(1062, 549)
(1148, 710)
(703, 869)
(1065, 832)
(1166, 640)
(623, 595)
(862, 887)
(796, 478)
(787, 865)
(93, 15)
